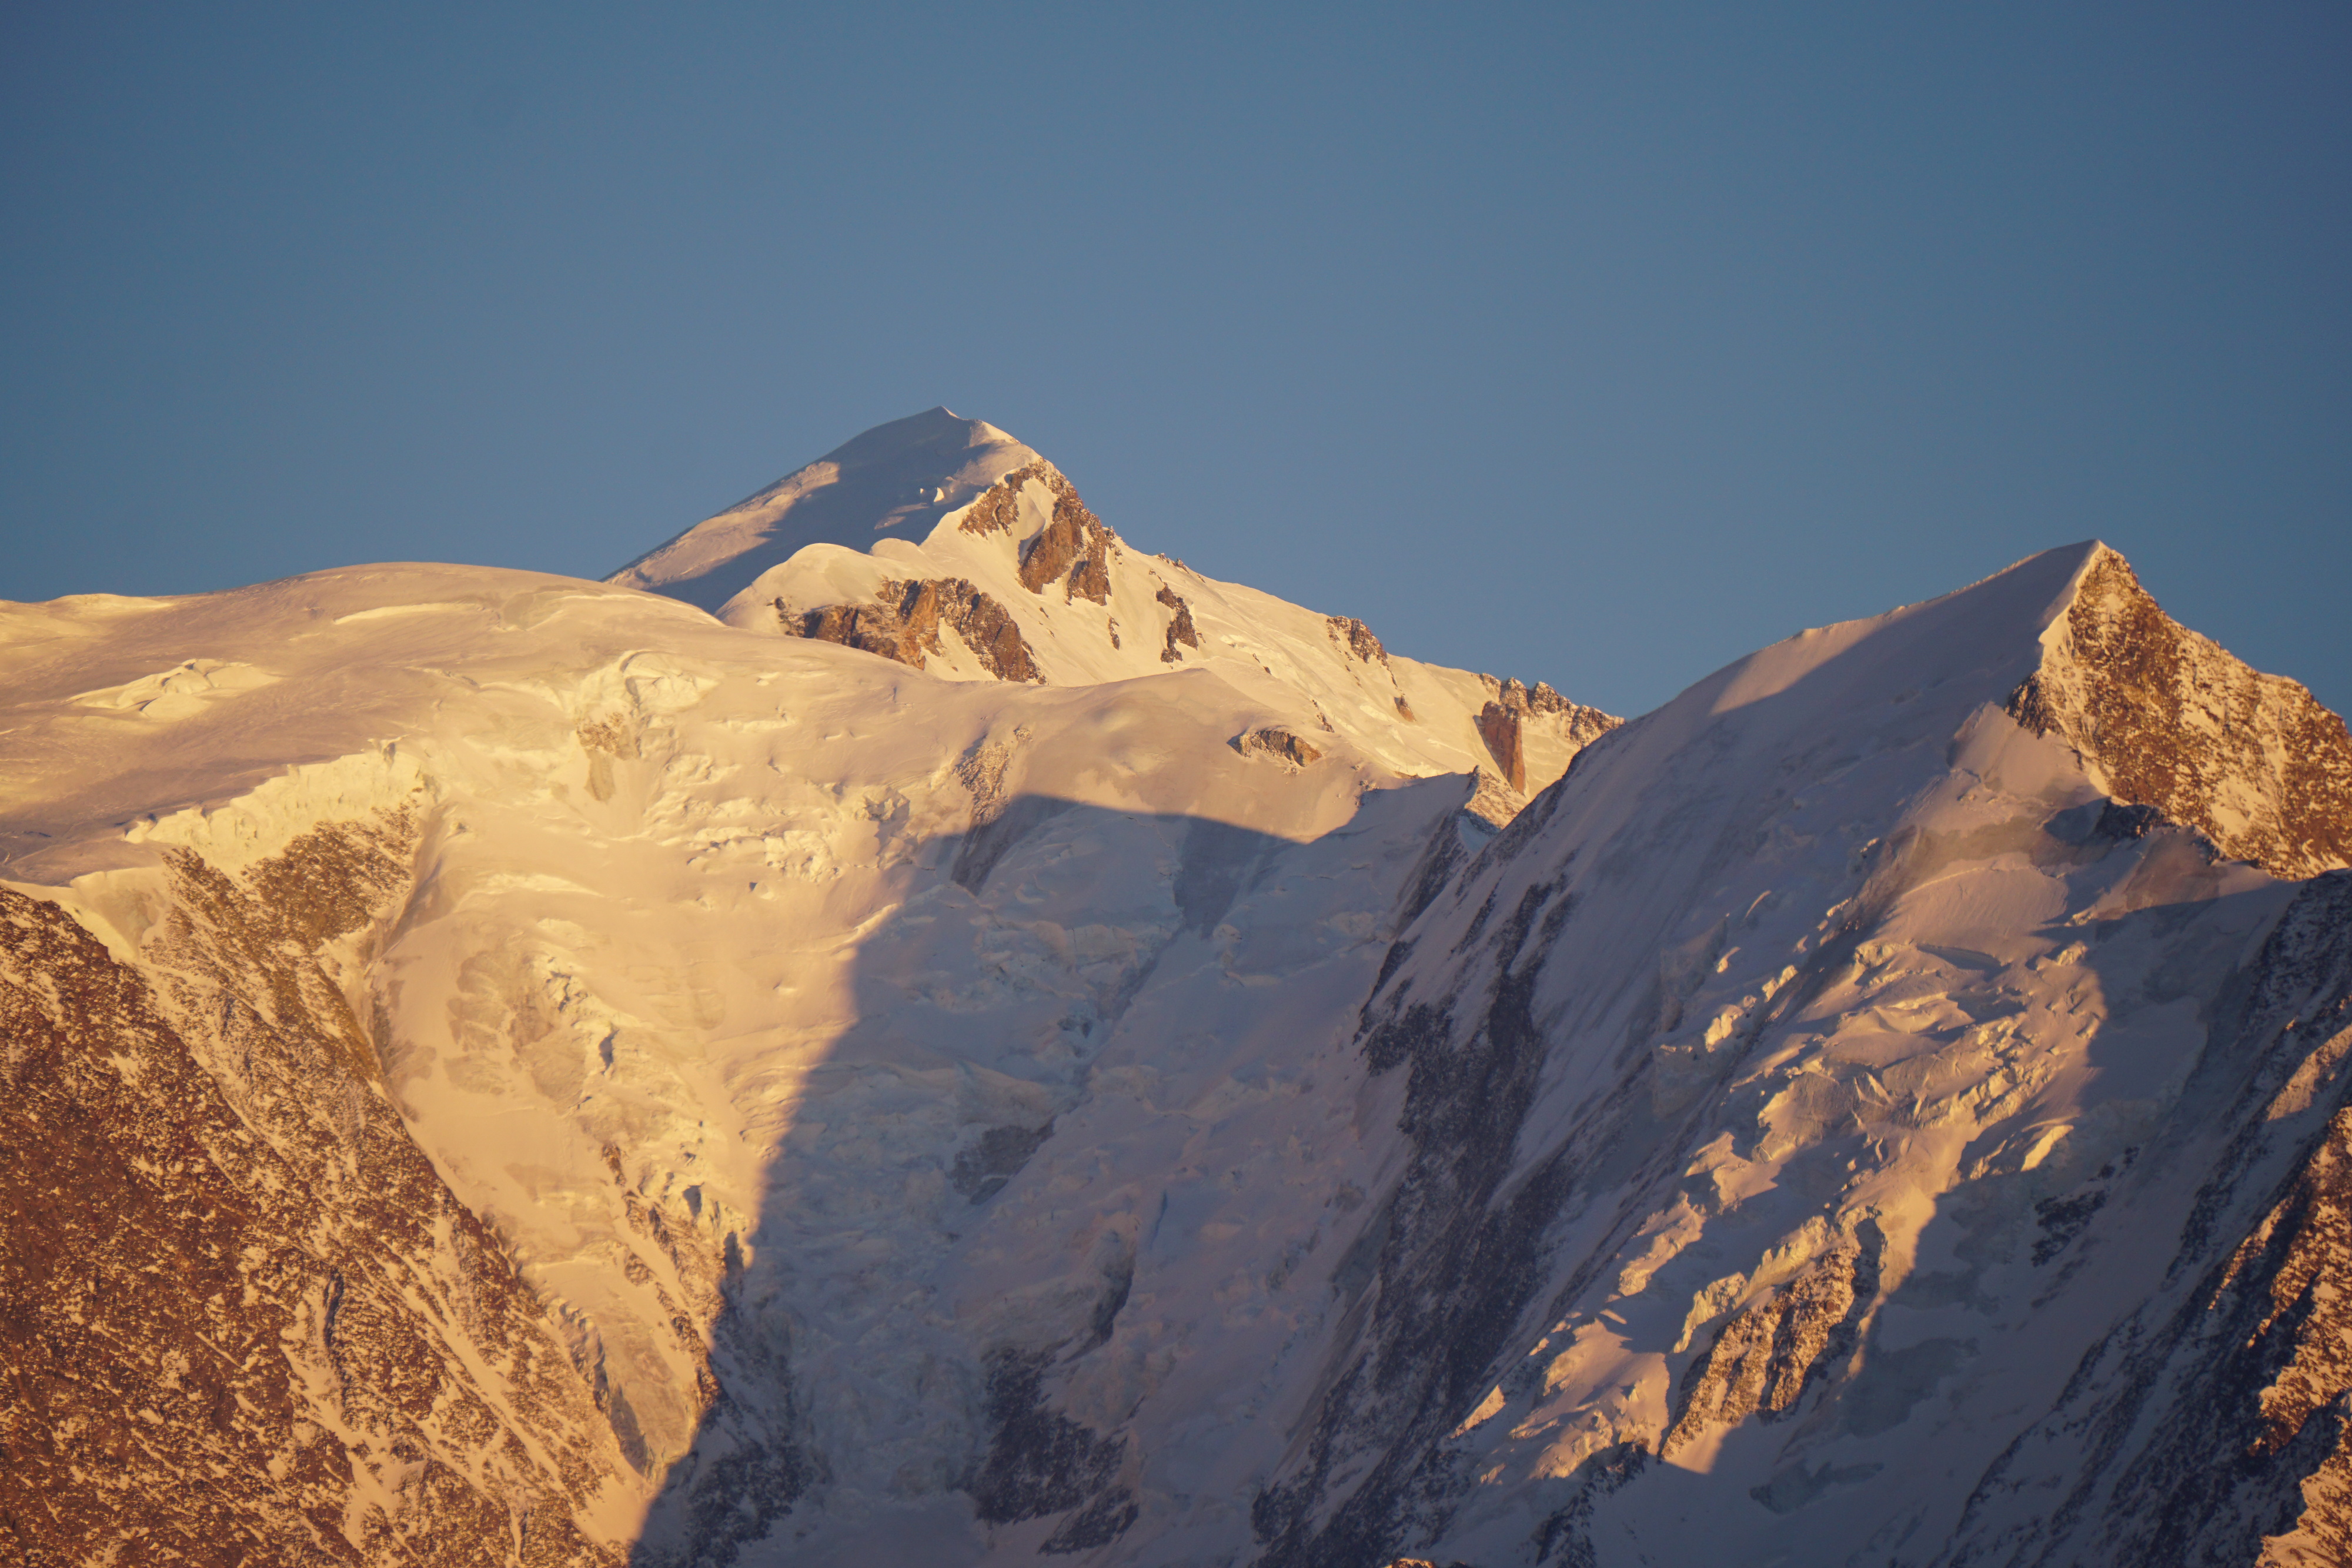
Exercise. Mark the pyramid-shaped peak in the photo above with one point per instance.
(2164, 716)
(894, 481)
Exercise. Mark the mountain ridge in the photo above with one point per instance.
(921, 1113)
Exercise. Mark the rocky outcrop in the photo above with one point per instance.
(242, 1319)
(998, 508)
(1503, 724)
(1073, 549)
(1498, 726)
(1493, 801)
(903, 623)
(1571, 721)
(2162, 717)
(1041, 1463)
(1180, 625)
(1764, 1359)
(1276, 742)
(1357, 638)
(2295, 1271)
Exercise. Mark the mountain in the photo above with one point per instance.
(1893, 1146)
(945, 545)
(618, 949)
(511, 1070)
(896, 482)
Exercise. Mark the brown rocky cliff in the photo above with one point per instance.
(1571, 721)
(2300, 1260)
(242, 1319)
(2162, 717)
(999, 507)
(1505, 723)
(1073, 550)
(1764, 1358)
(1275, 741)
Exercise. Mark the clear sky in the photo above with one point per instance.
(1591, 343)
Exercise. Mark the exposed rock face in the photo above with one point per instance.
(242, 1319)
(2164, 717)
(1041, 1463)
(1493, 801)
(1074, 549)
(2298, 1264)
(997, 509)
(904, 624)
(1180, 625)
(1571, 721)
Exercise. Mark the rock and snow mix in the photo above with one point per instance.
(990, 567)
(992, 1045)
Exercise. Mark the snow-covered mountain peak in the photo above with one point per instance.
(1867, 1096)
(897, 480)
(944, 544)
(1990, 627)
(2070, 644)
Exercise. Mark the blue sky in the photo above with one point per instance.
(1596, 344)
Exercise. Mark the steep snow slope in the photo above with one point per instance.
(1840, 1132)
(944, 544)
